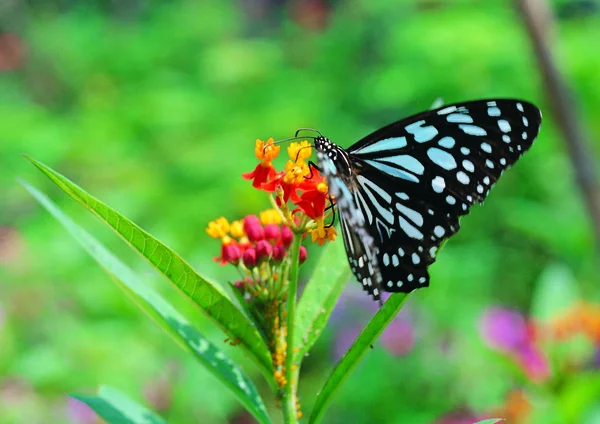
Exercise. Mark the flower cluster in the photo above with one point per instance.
(298, 183)
(257, 247)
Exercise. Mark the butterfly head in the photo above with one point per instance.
(325, 147)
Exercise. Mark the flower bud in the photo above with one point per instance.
(303, 254)
(278, 253)
(272, 232)
(232, 254)
(249, 258)
(250, 221)
(286, 236)
(255, 232)
(264, 250)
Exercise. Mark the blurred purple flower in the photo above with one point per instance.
(504, 329)
(399, 336)
(344, 340)
(79, 413)
(353, 312)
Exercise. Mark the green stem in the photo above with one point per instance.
(290, 414)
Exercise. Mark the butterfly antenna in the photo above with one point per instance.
(286, 139)
(308, 129)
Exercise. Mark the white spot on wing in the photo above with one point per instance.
(473, 130)
(459, 118)
(447, 142)
(407, 162)
(438, 184)
(409, 229)
(394, 172)
(413, 215)
(421, 134)
(504, 125)
(462, 177)
(382, 145)
(441, 158)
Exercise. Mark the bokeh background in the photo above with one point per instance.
(154, 108)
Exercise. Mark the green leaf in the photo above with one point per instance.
(116, 408)
(163, 313)
(202, 292)
(351, 359)
(490, 421)
(320, 296)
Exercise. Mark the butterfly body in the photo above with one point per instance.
(401, 190)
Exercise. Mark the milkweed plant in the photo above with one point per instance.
(259, 310)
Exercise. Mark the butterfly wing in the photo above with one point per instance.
(413, 179)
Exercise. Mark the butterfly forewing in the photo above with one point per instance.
(409, 183)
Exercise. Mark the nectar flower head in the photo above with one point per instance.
(321, 234)
(218, 228)
(266, 152)
(264, 171)
(299, 151)
(237, 229)
(295, 172)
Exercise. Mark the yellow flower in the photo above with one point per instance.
(299, 151)
(237, 228)
(218, 228)
(295, 172)
(266, 152)
(270, 216)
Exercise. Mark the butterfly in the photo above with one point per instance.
(401, 190)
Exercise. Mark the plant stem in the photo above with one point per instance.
(290, 414)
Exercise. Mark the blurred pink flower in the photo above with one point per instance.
(534, 362)
(508, 331)
(504, 329)
(79, 413)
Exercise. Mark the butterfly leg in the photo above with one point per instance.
(311, 165)
(331, 205)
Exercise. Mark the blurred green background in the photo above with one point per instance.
(154, 108)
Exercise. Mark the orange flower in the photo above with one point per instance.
(321, 234)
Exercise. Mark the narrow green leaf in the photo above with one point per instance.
(490, 421)
(320, 296)
(351, 359)
(116, 408)
(163, 313)
(202, 293)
